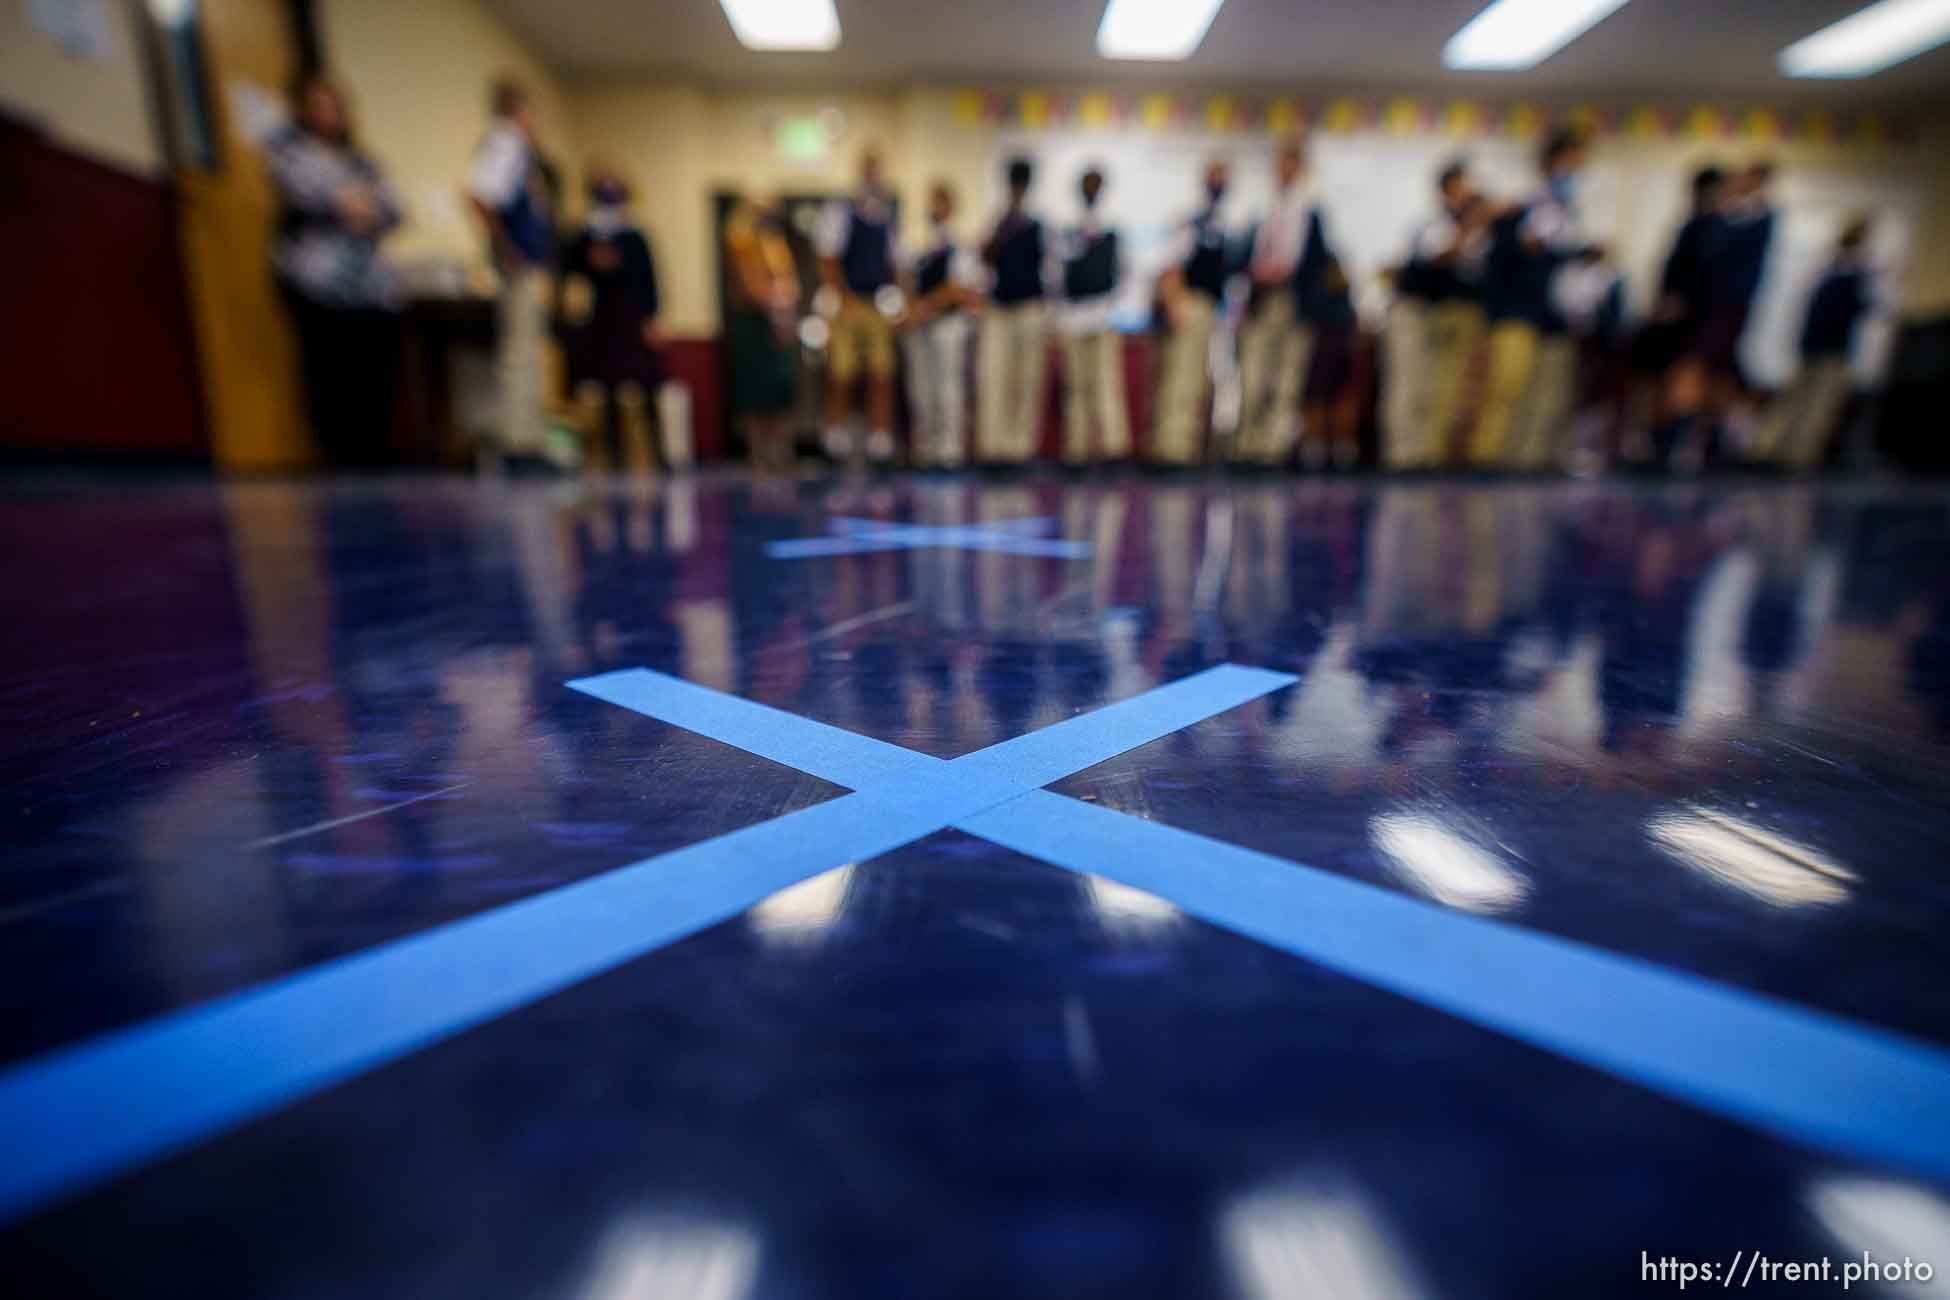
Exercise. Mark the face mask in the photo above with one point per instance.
(1564, 187)
(1089, 200)
(1215, 191)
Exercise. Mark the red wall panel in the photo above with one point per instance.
(94, 319)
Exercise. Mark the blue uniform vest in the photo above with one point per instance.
(931, 270)
(529, 223)
(1092, 272)
(867, 260)
(1019, 264)
(1210, 263)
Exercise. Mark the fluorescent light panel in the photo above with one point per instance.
(1522, 33)
(1869, 40)
(783, 24)
(1154, 29)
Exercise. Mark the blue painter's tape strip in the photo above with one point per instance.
(808, 547)
(1051, 549)
(78, 1117)
(1039, 757)
(75, 1118)
(1008, 536)
(830, 753)
(1810, 1078)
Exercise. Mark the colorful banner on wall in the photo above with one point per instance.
(1410, 115)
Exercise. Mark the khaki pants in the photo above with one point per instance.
(1802, 419)
(937, 388)
(1543, 418)
(1093, 398)
(1405, 430)
(521, 321)
(861, 339)
(1274, 348)
(1455, 333)
(1513, 355)
(1009, 382)
(1184, 378)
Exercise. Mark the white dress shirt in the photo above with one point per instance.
(1281, 237)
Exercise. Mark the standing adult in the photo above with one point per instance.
(511, 191)
(1095, 425)
(1014, 345)
(334, 208)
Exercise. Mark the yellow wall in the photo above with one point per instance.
(1928, 291)
(419, 73)
(97, 108)
(681, 145)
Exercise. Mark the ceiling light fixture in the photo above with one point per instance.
(1154, 29)
(1869, 40)
(783, 24)
(1522, 33)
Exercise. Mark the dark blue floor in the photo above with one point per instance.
(256, 728)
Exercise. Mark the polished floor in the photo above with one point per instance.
(960, 888)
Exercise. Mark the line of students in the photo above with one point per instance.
(1027, 284)
(1477, 270)
(1504, 314)
(1500, 299)
(1483, 272)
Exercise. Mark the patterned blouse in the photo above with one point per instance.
(317, 254)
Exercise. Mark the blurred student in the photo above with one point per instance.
(761, 341)
(1095, 425)
(1013, 356)
(1803, 419)
(1533, 361)
(1749, 216)
(609, 305)
(1286, 266)
(1189, 295)
(512, 192)
(1686, 282)
(1330, 397)
(856, 265)
(1435, 325)
(1590, 296)
(1675, 343)
(334, 207)
(944, 291)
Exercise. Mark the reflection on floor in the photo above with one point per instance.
(262, 727)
